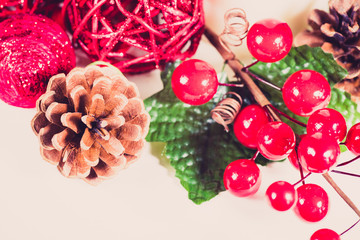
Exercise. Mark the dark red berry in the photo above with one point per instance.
(276, 140)
(353, 139)
(306, 91)
(329, 122)
(282, 195)
(318, 153)
(313, 202)
(269, 40)
(325, 234)
(194, 82)
(248, 123)
(242, 177)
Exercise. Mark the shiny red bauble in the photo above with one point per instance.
(269, 40)
(276, 140)
(353, 139)
(194, 82)
(313, 202)
(329, 122)
(242, 177)
(325, 234)
(282, 195)
(248, 123)
(318, 153)
(306, 91)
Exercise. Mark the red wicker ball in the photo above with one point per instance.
(13, 7)
(136, 35)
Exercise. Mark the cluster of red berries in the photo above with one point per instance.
(306, 93)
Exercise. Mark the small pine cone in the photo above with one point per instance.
(337, 32)
(90, 123)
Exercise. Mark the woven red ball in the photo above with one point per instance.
(136, 35)
(13, 7)
(32, 49)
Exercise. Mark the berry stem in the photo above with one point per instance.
(301, 170)
(255, 155)
(250, 65)
(287, 116)
(350, 227)
(341, 193)
(346, 173)
(302, 179)
(237, 67)
(231, 84)
(261, 79)
(348, 162)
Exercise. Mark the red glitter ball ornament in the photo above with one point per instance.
(32, 49)
(136, 35)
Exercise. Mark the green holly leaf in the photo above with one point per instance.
(198, 148)
(305, 57)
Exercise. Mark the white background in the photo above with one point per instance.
(146, 201)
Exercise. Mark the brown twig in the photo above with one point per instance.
(260, 98)
(341, 193)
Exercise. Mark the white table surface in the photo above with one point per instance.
(146, 201)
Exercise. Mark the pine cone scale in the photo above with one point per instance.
(338, 33)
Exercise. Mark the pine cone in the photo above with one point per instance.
(90, 123)
(338, 32)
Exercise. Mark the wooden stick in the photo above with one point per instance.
(341, 193)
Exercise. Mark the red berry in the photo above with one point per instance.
(353, 139)
(282, 195)
(313, 202)
(306, 91)
(248, 123)
(269, 40)
(242, 177)
(276, 140)
(194, 82)
(318, 153)
(328, 122)
(325, 234)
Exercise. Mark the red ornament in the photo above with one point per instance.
(13, 7)
(136, 36)
(32, 49)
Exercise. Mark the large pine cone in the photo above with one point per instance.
(338, 32)
(90, 123)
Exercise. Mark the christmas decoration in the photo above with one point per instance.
(13, 7)
(136, 36)
(337, 32)
(32, 49)
(300, 84)
(90, 123)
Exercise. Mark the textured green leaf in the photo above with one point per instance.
(198, 148)
(299, 58)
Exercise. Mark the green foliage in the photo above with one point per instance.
(198, 148)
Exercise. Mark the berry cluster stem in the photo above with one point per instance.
(260, 98)
(341, 193)
(237, 67)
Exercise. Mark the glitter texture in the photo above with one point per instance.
(136, 35)
(32, 49)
